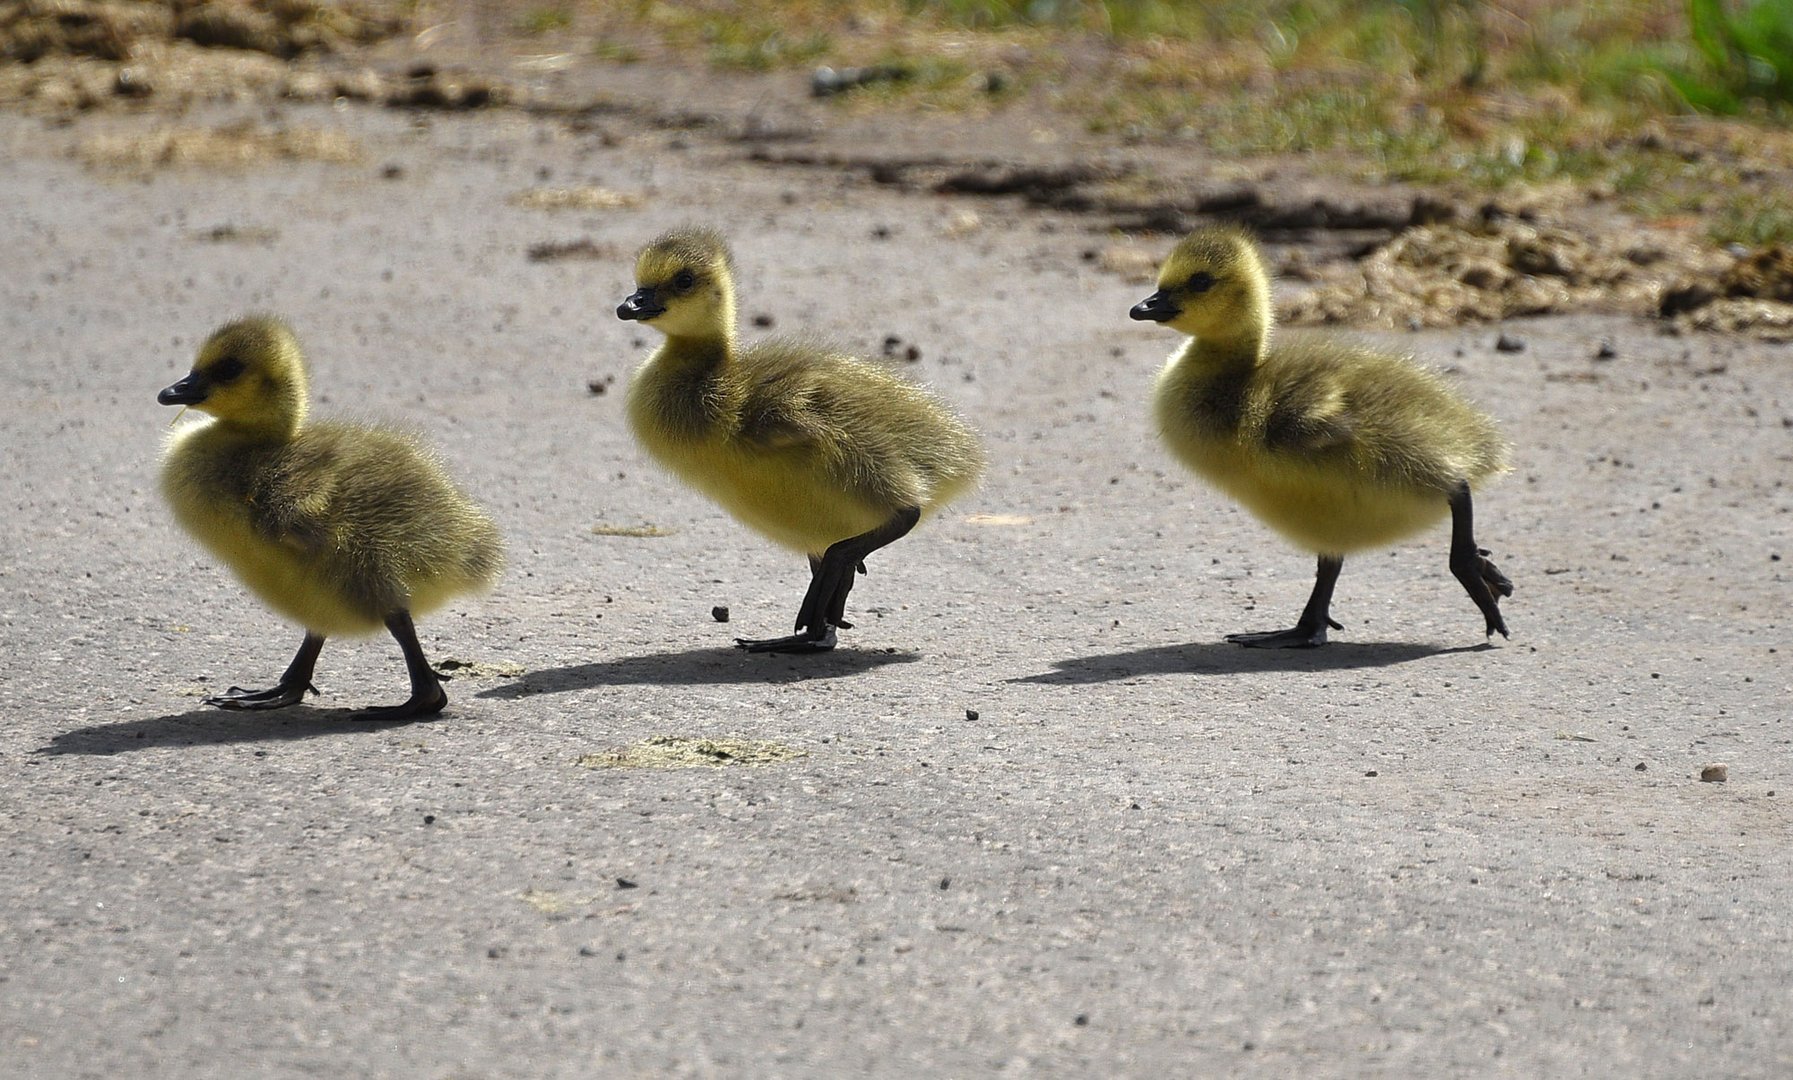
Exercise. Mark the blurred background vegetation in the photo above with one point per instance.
(1469, 92)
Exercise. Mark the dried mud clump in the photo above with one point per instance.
(81, 54)
(1754, 295)
(679, 752)
(1766, 274)
(284, 28)
(33, 30)
(1446, 275)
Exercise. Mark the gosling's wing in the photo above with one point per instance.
(294, 502)
(784, 417)
(1311, 424)
(842, 415)
(1310, 410)
(788, 403)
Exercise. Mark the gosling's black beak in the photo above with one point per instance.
(189, 391)
(1158, 307)
(641, 306)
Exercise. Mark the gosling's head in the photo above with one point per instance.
(249, 372)
(684, 285)
(1212, 285)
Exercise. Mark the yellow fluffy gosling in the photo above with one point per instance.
(821, 452)
(343, 529)
(1335, 445)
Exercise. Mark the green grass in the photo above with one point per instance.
(1744, 52)
(1753, 220)
(1465, 93)
(760, 48)
(544, 20)
(616, 52)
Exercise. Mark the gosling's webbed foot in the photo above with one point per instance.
(1483, 581)
(291, 688)
(794, 644)
(274, 697)
(824, 605)
(1299, 636)
(1309, 631)
(421, 703)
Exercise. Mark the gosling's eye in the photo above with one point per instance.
(684, 279)
(225, 370)
(1199, 283)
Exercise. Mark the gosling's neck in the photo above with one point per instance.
(1239, 342)
(277, 420)
(695, 351)
(701, 343)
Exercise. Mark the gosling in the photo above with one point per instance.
(821, 452)
(1336, 446)
(340, 528)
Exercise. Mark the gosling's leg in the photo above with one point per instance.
(1310, 632)
(831, 579)
(1481, 579)
(427, 696)
(290, 690)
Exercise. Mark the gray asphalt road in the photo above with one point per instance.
(1149, 853)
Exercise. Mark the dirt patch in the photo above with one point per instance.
(1439, 275)
(1446, 275)
(582, 248)
(680, 752)
(576, 198)
(230, 233)
(233, 146)
(639, 532)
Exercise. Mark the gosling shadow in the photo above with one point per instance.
(698, 667)
(1226, 658)
(210, 726)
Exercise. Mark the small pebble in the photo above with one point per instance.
(1509, 343)
(625, 883)
(945, 883)
(429, 819)
(1372, 772)
(1641, 767)
(762, 320)
(971, 714)
(1714, 774)
(1606, 351)
(719, 613)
